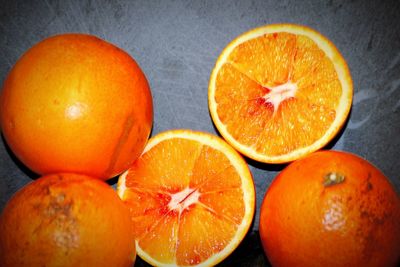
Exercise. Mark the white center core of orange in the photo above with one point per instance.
(279, 93)
(183, 199)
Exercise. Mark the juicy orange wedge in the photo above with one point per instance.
(280, 92)
(191, 197)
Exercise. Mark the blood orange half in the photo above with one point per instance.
(191, 198)
(280, 92)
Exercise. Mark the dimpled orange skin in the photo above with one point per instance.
(355, 222)
(76, 103)
(66, 220)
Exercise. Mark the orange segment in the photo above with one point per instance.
(290, 128)
(227, 203)
(268, 59)
(210, 172)
(204, 240)
(239, 102)
(279, 92)
(160, 240)
(146, 208)
(153, 172)
(191, 197)
(315, 75)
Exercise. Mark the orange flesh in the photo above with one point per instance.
(210, 196)
(271, 60)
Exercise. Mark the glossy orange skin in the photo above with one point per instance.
(76, 103)
(353, 223)
(66, 220)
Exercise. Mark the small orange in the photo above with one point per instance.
(76, 103)
(280, 92)
(331, 209)
(191, 197)
(66, 220)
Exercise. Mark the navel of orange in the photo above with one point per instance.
(280, 92)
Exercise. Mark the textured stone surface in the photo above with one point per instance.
(177, 42)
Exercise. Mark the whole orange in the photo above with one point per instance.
(76, 103)
(331, 209)
(66, 220)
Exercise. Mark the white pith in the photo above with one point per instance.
(183, 199)
(279, 93)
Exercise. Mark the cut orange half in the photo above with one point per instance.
(191, 197)
(280, 92)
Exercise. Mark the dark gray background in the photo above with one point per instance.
(176, 43)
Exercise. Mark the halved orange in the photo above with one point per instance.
(280, 92)
(191, 197)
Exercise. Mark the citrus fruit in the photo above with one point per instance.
(76, 103)
(191, 198)
(279, 92)
(66, 220)
(331, 208)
